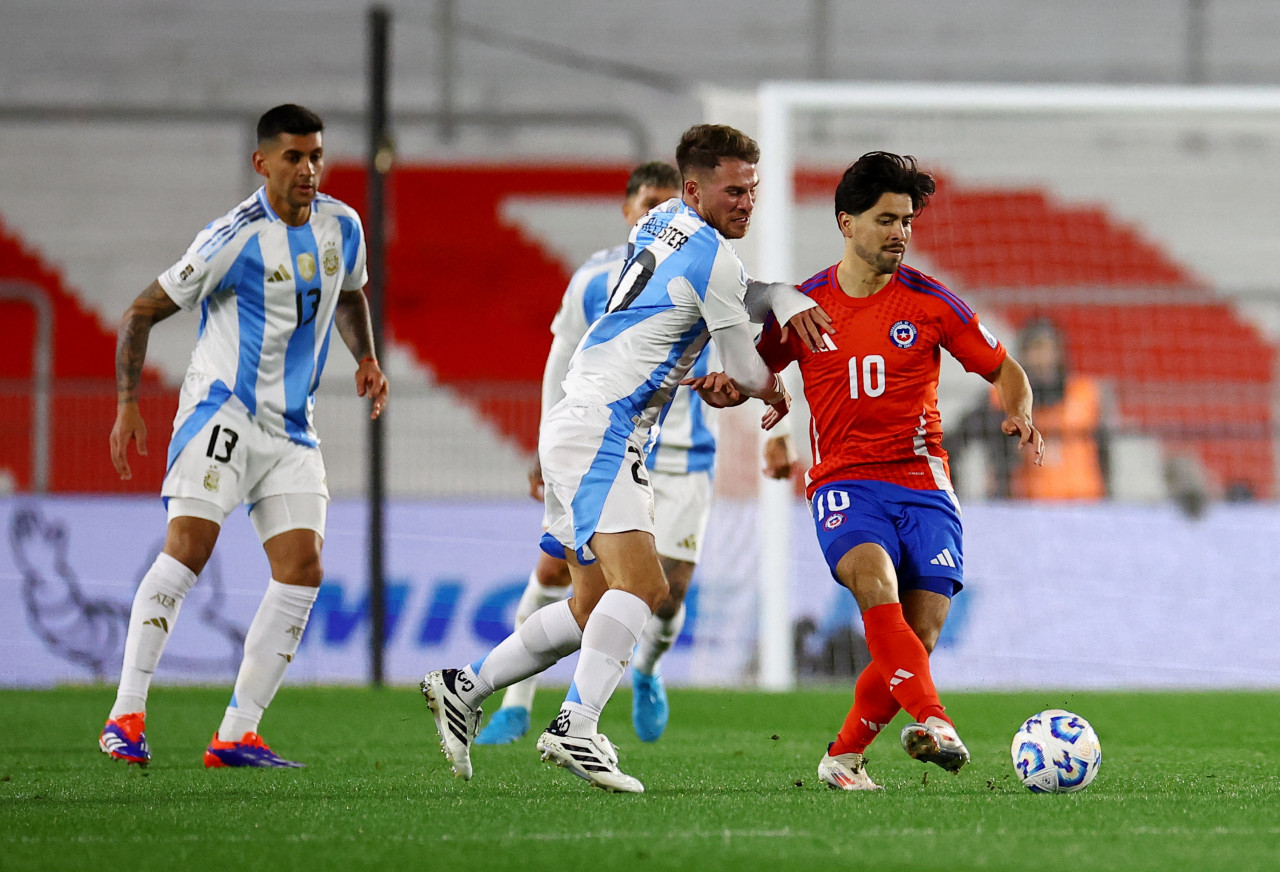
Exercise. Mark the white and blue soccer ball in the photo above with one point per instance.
(1056, 751)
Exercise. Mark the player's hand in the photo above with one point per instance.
(372, 382)
(537, 487)
(780, 457)
(129, 427)
(716, 389)
(1028, 435)
(814, 328)
(777, 410)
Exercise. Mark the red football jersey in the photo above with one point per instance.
(874, 400)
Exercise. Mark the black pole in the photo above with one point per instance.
(379, 165)
(1197, 23)
(448, 41)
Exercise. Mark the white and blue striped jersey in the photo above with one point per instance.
(686, 439)
(681, 280)
(267, 294)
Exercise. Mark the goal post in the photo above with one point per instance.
(1181, 180)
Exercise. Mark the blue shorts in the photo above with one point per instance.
(919, 528)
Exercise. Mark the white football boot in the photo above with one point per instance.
(593, 759)
(935, 741)
(846, 772)
(456, 722)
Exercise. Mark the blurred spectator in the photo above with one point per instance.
(1070, 412)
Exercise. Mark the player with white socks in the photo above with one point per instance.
(680, 464)
(683, 286)
(683, 455)
(271, 279)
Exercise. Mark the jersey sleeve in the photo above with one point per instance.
(201, 270)
(570, 322)
(975, 347)
(354, 252)
(724, 303)
(587, 295)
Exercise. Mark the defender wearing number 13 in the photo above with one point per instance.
(271, 279)
(880, 492)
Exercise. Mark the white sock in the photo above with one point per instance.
(269, 646)
(549, 634)
(607, 641)
(656, 639)
(151, 619)
(536, 596)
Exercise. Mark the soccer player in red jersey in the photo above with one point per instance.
(879, 490)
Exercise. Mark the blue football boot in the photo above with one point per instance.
(249, 751)
(123, 738)
(506, 726)
(649, 709)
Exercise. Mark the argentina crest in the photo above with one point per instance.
(330, 261)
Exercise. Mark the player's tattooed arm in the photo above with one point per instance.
(149, 308)
(355, 326)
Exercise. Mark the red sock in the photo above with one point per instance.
(873, 708)
(903, 662)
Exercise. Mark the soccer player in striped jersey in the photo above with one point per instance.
(271, 279)
(879, 490)
(681, 286)
(680, 462)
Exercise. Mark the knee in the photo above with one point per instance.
(551, 572)
(188, 548)
(870, 589)
(679, 576)
(304, 572)
(655, 595)
(928, 637)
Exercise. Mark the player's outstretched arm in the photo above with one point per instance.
(149, 308)
(355, 326)
(749, 374)
(793, 310)
(1014, 391)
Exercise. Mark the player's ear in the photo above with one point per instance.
(845, 222)
(691, 190)
(630, 212)
(259, 163)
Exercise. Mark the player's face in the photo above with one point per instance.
(644, 199)
(292, 164)
(725, 197)
(879, 236)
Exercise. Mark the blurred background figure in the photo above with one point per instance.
(1071, 412)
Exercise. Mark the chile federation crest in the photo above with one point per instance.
(903, 334)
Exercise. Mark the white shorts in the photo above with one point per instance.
(595, 477)
(230, 459)
(682, 505)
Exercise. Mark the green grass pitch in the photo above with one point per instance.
(1188, 781)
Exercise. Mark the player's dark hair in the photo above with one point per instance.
(703, 146)
(877, 173)
(288, 118)
(655, 174)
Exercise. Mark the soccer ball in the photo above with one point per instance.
(1056, 751)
